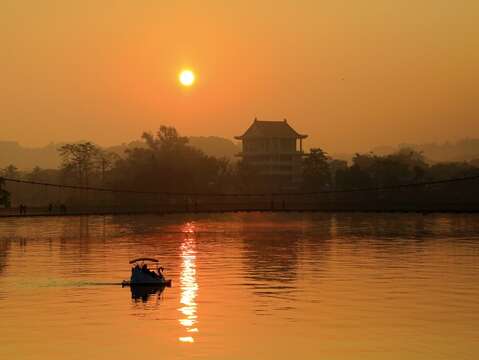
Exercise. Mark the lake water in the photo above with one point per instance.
(245, 286)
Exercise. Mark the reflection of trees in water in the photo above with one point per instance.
(318, 233)
(271, 256)
(287, 250)
(145, 224)
(405, 226)
(388, 239)
(272, 253)
(86, 242)
(154, 223)
(10, 233)
(357, 226)
(76, 238)
(4, 249)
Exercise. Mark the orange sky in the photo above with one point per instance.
(351, 74)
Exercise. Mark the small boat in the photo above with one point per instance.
(142, 275)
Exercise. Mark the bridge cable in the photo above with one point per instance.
(312, 193)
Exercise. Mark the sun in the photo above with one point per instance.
(186, 77)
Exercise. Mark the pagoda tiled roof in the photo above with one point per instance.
(268, 129)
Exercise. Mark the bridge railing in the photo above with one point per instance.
(34, 198)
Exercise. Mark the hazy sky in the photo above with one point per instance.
(351, 74)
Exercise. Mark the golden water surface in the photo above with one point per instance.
(245, 286)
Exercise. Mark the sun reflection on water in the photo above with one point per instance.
(188, 284)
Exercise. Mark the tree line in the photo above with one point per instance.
(405, 166)
(166, 162)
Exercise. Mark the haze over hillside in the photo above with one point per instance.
(462, 150)
(26, 158)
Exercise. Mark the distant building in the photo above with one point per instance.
(271, 148)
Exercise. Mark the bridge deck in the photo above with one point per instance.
(399, 208)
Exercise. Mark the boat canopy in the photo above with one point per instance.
(144, 259)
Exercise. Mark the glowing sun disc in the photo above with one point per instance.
(187, 77)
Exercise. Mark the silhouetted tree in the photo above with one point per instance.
(168, 163)
(80, 160)
(442, 171)
(4, 194)
(368, 170)
(353, 177)
(11, 171)
(336, 166)
(106, 162)
(225, 180)
(316, 170)
(43, 175)
(248, 178)
(167, 139)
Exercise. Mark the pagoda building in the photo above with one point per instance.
(274, 149)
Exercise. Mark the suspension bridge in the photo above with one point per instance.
(35, 198)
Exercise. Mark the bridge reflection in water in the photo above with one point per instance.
(188, 284)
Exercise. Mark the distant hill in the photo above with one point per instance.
(120, 149)
(26, 158)
(462, 150)
(215, 146)
(46, 157)
(210, 145)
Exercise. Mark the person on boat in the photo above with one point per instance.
(160, 272)
(145, 270)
